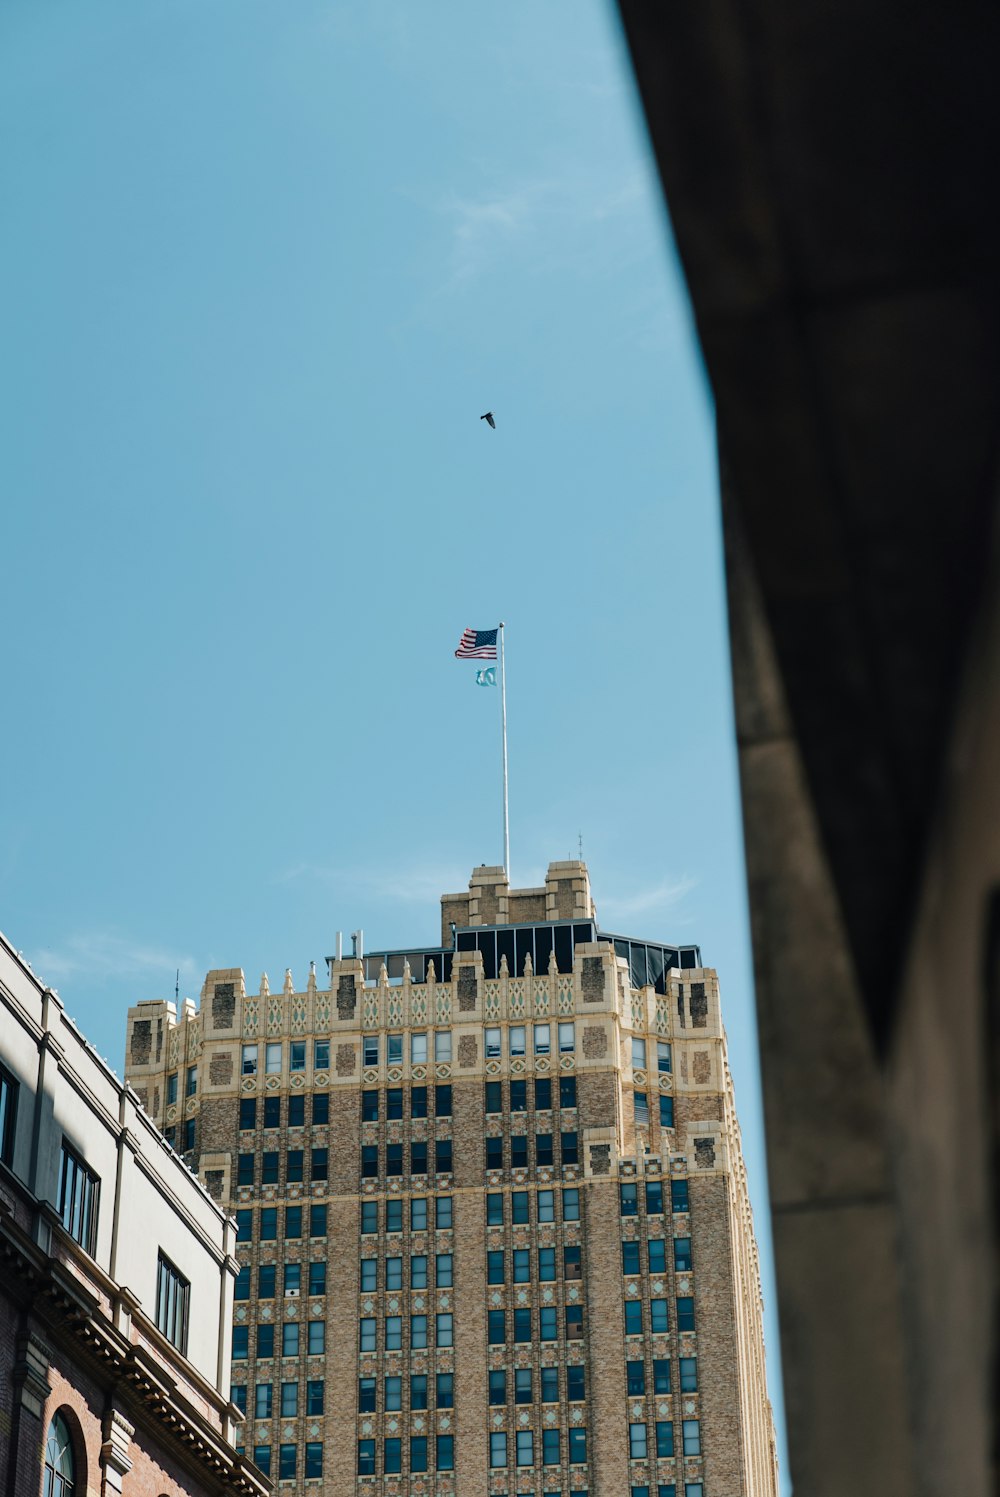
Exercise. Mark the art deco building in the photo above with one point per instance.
(116, 1280)
(493, 1217)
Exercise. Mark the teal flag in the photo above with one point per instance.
(487, 677)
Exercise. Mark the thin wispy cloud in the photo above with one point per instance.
(664, 898)
(405, 885)
(104, 954)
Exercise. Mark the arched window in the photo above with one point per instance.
(59, 1465)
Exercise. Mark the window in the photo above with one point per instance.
(445, 1452)
(519, 1207)
(369, 1107)
(445, 1390)
(567, 1091)
(418, 1048)
(242, 1286)
(519, 1152)
(265, 1342)
(444, 1271)
(320, 1108)
(551, 1453)
(60, 1469)
(394, 1394)
(494, 1096)
(575, 1383)
(314, 1459)
(495, 1266)
(394, 1216)
(269, 1167)
(392, 1461)
(666, 1111)
(515, 1039)
(637, 1442)
(664, 1438)
(574, 1322)
(494, 1153)
(265, 1281)
(640, 1102)
(635, 1373)
(442, 1156)
(366, 1334)
(693, 1489)
(418, 1214)
(272, 1058)
(498, 1449)
(317, 1220)
(658, 1320)
(663, 1057)
(497, 1328)
(190, 1081)
(548, 1328)
(369, 1049)
(172, 1089)
(692, 1437)
(366, 1457)
(577, 1446)
(522, 1266)
(518, 1096)
(244, 1169)
(630, 1257)
(294, 1166)
(522, 1385)
(296, 1111)
(418, 1101)
(286, 1462)
(546, 1200)
(394, 1159)
(314, 1396)
(571, 1204)
(442, 1101)
(685, 1312)
(522, 1325)
(290, 1338)
(543, 1094)
(272, 1112)
(369, 1161)
(289, 1400)
(679, 1196)
(187, 1135)
(248, 1112)
(661, 1375)
(543, 1039)
(491, 1039)
(394, 1103)
(418, 1157)
(570, 1148)
(547, 1263)
(443, 1213)
(293, 1279)
(682, 1254)
(494, 1209)
(567, 1039)
(394, 1049)
(550, 1384)
(628, 1198)
(442, 1044)
(633, 1317)
(418, 1453)
(321, 1055)
(638, 1053)
(657, 1255)
(262, 1458)
(369, 1275)
(498, 1387)
(418, 1333)
(249, 1061)
(316, 1339)
(444, 1330)
(244, 1225)
(393, 1332)
(654, 1198)
(543, 1149)
(238, 1396)
(689, 1374)
(293, 1222)
(79, 1189)
(241, 1343)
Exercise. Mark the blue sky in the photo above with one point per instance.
(264, 266)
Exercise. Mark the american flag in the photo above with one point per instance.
(477, 644)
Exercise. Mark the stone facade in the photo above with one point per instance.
(495, 1230)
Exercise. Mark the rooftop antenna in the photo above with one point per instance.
(579, 838)
(177, 986)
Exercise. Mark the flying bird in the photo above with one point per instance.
(489, 417)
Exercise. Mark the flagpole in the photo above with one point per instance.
(503, 718)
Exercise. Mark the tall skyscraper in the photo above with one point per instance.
(494, 1229)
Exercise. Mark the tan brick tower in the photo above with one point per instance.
(494, 1222)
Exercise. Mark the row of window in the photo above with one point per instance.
(635, 1376)
(628, 1193)
(657, 1256)
(320, 1111)
(659, 1322)
(392, 1455)
(691, 1489)
(444, 1390)
(267, 1222)
(190, 1084)
(313, 1342)
(270, 1166)
(444, 1270)
(181, 1136)
(444, 1332)
(569, 1150)
(551, 1447)
(418, 1158)
(663, 1059)
(548, 1377)
(641, 1446)
(498, 1322)
(517, 1094)
(640, 1103)
(288, 1399)
(288, 1460)
(274, 1057)
(441, 1096)
(267, 1277)
(517, 1039)
(520, 1207)
(496, 1265)
(419, 1217)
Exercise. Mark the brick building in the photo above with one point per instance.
(494, 1229)
(116, 1280)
